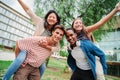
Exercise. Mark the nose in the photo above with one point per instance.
(69, 38)
(58, 36)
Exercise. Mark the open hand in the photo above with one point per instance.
(118, 6)
(43, 43)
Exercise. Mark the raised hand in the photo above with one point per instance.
(118, 6)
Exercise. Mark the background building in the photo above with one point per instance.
(13, 26)
(110, 43)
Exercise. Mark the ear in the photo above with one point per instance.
(52, 32)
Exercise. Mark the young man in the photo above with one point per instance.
(81, 58)
(36, 54)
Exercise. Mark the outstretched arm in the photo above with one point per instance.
(36, 20)
(104, 19)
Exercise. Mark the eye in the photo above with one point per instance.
(71, 34)
(53, 17)
(76, 22)
(61, 34)
(57, 32)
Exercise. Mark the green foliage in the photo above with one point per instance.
(57, 63)
(4, 64)
(61, 43)
(63, 53)
(96, 10)
(13, 47)
(3, 67)
(53, 72)
(91, 11)
(1, 46)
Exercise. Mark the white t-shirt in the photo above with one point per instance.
(80, 58)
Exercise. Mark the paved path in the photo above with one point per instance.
(7, 55)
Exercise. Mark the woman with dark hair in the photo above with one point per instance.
(46, 24)
(84, 50)
(43, 28)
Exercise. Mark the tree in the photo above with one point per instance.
(90, 11)
(96, 10)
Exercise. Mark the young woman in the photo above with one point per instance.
(43, 28)
(36, 54)
(88, 48)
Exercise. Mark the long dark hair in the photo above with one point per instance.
(46, 24)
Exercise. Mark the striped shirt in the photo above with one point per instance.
(36, 54)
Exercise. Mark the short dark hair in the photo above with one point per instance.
(58, 27)
(68, 29)
(71, 46)
(46, 16)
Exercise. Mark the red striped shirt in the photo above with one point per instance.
(36, 54)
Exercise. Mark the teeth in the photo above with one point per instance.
(77, 26)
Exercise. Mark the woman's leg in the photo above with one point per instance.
(99, 70)
(15, 65)
(42, 68)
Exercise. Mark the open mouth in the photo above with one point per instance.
(78, 26)
(56, 39)
(71, 41)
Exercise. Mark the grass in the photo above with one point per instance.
(4, 64)
(3, 67)
(54, 71)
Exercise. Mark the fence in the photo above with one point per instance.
(113, 68)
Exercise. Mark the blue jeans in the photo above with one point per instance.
(42, 68)
(17, 63)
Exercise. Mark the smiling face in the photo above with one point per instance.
(71, 36)
(52, 19)
(77, 25)
(57, 35)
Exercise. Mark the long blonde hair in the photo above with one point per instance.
(84, 31)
